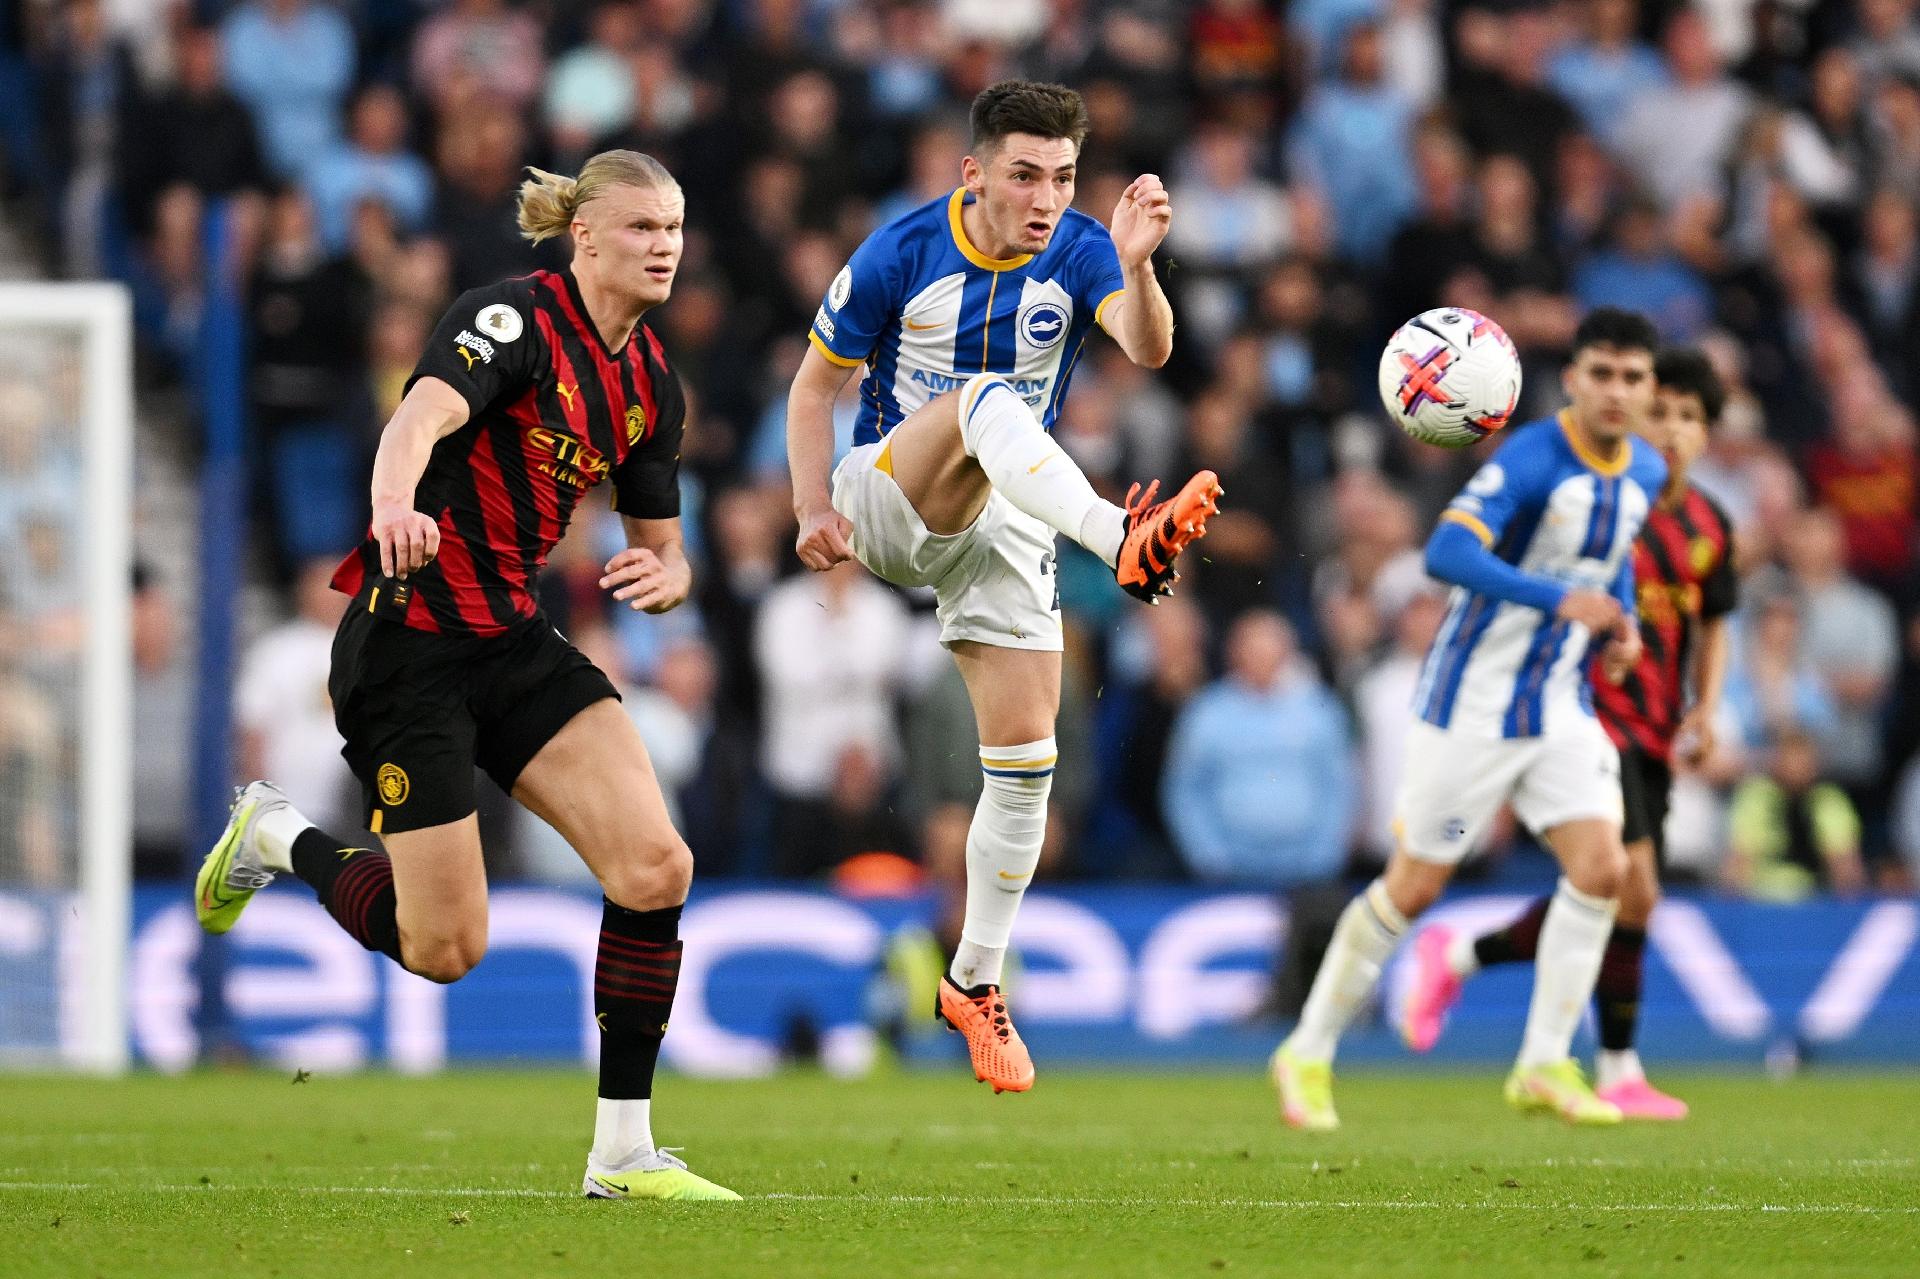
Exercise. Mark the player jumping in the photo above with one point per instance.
(1538, 547)
(1683, 565)
(969, 314)
(529, 393)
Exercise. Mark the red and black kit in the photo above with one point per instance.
(456, 666)
(1683, 575)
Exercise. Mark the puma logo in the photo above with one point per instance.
(567, 393)
(468, 356)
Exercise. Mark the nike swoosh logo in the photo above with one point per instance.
(1037, 465)
(922, 328)
(1004, 875)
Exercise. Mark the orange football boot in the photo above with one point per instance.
(1158, 531)
(999, 1058)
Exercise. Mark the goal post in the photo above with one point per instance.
(66, 673)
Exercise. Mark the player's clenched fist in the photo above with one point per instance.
(1595, 610)
(1141, 219)
(408, 539)
(823, 540)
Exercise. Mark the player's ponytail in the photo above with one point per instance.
(550, 201)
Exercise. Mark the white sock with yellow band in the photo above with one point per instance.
(1026, 467)
(1003, 847)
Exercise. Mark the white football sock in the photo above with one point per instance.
(1573, 937)
(1617, 1066)
(1462, 959)
(1031, 471)
(274, 833)
(1369, 928)
(622, 1133)
(1003, 847)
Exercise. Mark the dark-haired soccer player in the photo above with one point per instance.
(1683, 568)
(1539, 549)
(968, 315)
(530, 393)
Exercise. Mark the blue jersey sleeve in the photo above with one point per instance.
(862, 300)
(1095, 276)
(1512, 487)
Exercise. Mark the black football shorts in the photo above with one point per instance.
(1646, 786)
(419, 711)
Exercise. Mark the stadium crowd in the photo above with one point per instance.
(1747, 175)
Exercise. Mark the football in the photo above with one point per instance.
(1450, 377)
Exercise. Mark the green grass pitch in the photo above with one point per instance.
(930, 1174)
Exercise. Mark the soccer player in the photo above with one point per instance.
(1539, 549)
(968, 314)
(1683, 567)
(530, 393)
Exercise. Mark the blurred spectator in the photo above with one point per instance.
(1229, 217)
(590, 89)
(1438, 240)
(1137, 720)
(1505, 104)
(1887, 38)
(1852, 641)
(87, 101)
(1381, 698)
(1243, 542)
(373, 165)
(1259, 784)
(1238, 46)
(473, 51)
(1676, 163)
(831, 649)
(31, 762)
(479, 161)
(1823, 151)
(194, 137)
(162, 726)
(1791, 833)
(1772, 686)
(1867, 474)
(292, 63)
(1603, 74)
(1350, 144)
(283, 712)
(1639, 272)
(1883, 290)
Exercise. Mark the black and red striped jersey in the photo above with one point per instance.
(554, 412)
(1683, 575)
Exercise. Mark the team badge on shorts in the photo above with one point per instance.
(392, 783)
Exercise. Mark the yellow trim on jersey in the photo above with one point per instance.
(373, 599)
(1593, 460)
(1099, 312)
(954, 204)
(1474, 522)
(986, 330)
(374, 825)
(820, 345)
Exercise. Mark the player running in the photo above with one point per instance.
(529, 393)
(1683, 565)
(969, 314)
(1538, 547)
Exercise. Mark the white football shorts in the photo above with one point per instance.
(994, 583)
(1454, 784)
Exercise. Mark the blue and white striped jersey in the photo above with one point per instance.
(1551, 509)
(925, 310)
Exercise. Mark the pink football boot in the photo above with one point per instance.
(1435, 989)
(1639, 1099)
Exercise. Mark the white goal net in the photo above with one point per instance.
(66, 446)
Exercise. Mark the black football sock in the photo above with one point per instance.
(355, 885)
(1517, 942)
(634, 979)
(1617, 993)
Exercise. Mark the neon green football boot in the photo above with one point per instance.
(1560, 1088)
(1306, 1091)
(660, 1175)
(233, 872)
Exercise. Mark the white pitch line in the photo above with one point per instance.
(1099, 1201)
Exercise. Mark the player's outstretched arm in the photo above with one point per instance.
(822, 542)
(1457, 555)
(409, 539)
(1141, 319)
(652, 574)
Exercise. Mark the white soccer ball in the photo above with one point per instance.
(1450, 377)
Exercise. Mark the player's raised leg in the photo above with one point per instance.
(594, 784)
(1573, 936)
(1016, 696)
(427, 911)
(948, 454)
